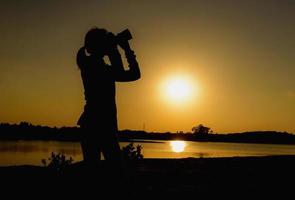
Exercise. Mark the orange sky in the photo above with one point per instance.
(237, 55)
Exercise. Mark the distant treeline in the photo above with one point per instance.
(27, 131)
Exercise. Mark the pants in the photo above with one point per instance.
(95, 141)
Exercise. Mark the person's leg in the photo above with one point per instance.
(91, 151)
(90, 172)
(90, 147)
(110, 147)
(116, 165)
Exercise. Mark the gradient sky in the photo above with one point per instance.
(238, 55)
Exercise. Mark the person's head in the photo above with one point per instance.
(96, 41)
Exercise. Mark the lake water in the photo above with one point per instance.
(32, 152)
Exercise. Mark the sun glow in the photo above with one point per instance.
(178, 89)
(177, 146)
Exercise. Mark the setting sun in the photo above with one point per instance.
(178, 89)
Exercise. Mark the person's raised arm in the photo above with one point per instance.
(121, 75)
(134, 71)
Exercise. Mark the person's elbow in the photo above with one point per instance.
(137, 75)
(128, 76)
(134, 74)
(135, 71)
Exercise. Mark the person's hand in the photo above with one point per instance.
(81, 56)
(112, 45)
(124, 44)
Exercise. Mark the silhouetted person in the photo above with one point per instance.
(99, 119)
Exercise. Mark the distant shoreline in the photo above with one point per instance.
(147, 141)
(27, 131)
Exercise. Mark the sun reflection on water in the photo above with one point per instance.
(177, 146)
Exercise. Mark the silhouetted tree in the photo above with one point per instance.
(25, 124)
(201, 130)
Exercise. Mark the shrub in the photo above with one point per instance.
(57, 161)
(132, 153)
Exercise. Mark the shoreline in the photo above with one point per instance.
(148, 140)
(264, 175)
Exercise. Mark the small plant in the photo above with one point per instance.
(57, 161)
(132, 153)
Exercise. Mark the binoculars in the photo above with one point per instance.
(96, 40)
(124, 35)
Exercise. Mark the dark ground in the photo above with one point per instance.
(249, 177)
